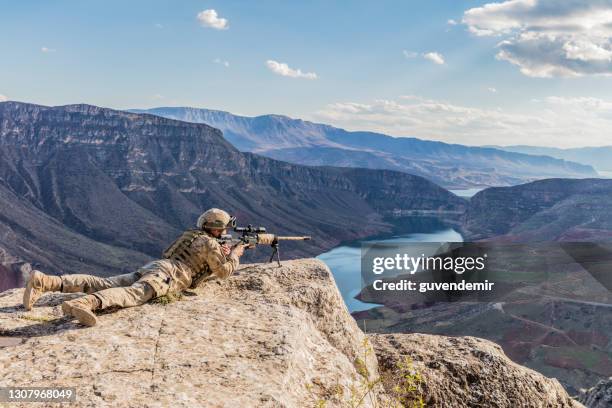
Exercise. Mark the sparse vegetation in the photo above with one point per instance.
(42, 319)
(168, 298)
(404, 386)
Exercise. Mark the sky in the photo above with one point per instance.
(535, 72)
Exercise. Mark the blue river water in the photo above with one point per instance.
(468, 192)
(345, 262)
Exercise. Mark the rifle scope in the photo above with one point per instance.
(249, 229)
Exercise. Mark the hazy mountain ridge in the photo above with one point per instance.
(131, 182)
(598, 157)
(254, 134)
(545, 210)
(450, 165)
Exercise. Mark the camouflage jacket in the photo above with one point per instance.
(198, 256)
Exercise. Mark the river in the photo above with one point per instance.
(467, 192)
(345, 261)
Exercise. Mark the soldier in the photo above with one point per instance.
(195, 256)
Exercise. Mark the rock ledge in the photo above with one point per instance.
(268, 337)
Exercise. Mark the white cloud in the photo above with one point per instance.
(552, 121)
(158, 97)
(283, 69)
(3, 98)
(221, 62)
(581, 105)
(434, 57)
(47, 50)
(492, 90)
(158, 25)
(210, 18)
(451, 22)
(548, 38)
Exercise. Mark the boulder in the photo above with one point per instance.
(270, 336)
(599, 396)
(466, 372)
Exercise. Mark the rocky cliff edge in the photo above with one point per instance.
(268, 337)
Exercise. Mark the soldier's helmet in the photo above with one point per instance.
(216, 218)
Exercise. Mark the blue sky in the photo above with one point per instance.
(394, 66)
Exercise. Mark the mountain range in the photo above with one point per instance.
(94, 190)
(85, 189)
(545, 210)
(449, 165)
(88, 189)
(598, 157)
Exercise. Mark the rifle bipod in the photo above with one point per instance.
(275, 252)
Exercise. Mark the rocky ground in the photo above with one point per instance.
(269, 337)
(599, 396)
(468, 372)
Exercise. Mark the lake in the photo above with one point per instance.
(345, 261)
(467, 192)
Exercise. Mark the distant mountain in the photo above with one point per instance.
(450, 165)
(546, 210)
(87, 189)
(598, 157)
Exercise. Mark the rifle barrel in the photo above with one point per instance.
(302, 238)
(271, 239)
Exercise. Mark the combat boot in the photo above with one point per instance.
(38, 284)
(83, 309)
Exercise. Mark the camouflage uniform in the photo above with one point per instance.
(195, 256)
(158, 278)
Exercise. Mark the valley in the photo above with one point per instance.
(88, 189)
(85, 189)
(551, 309)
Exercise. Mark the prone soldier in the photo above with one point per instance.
(195, 256)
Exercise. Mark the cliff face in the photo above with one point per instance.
(546, 210)
(303, 142)
(468, 372)
(131, 182)
(268, 337)
(599, 396)
(14, 275)
(8, 278)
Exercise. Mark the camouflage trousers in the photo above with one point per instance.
(153, 280)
